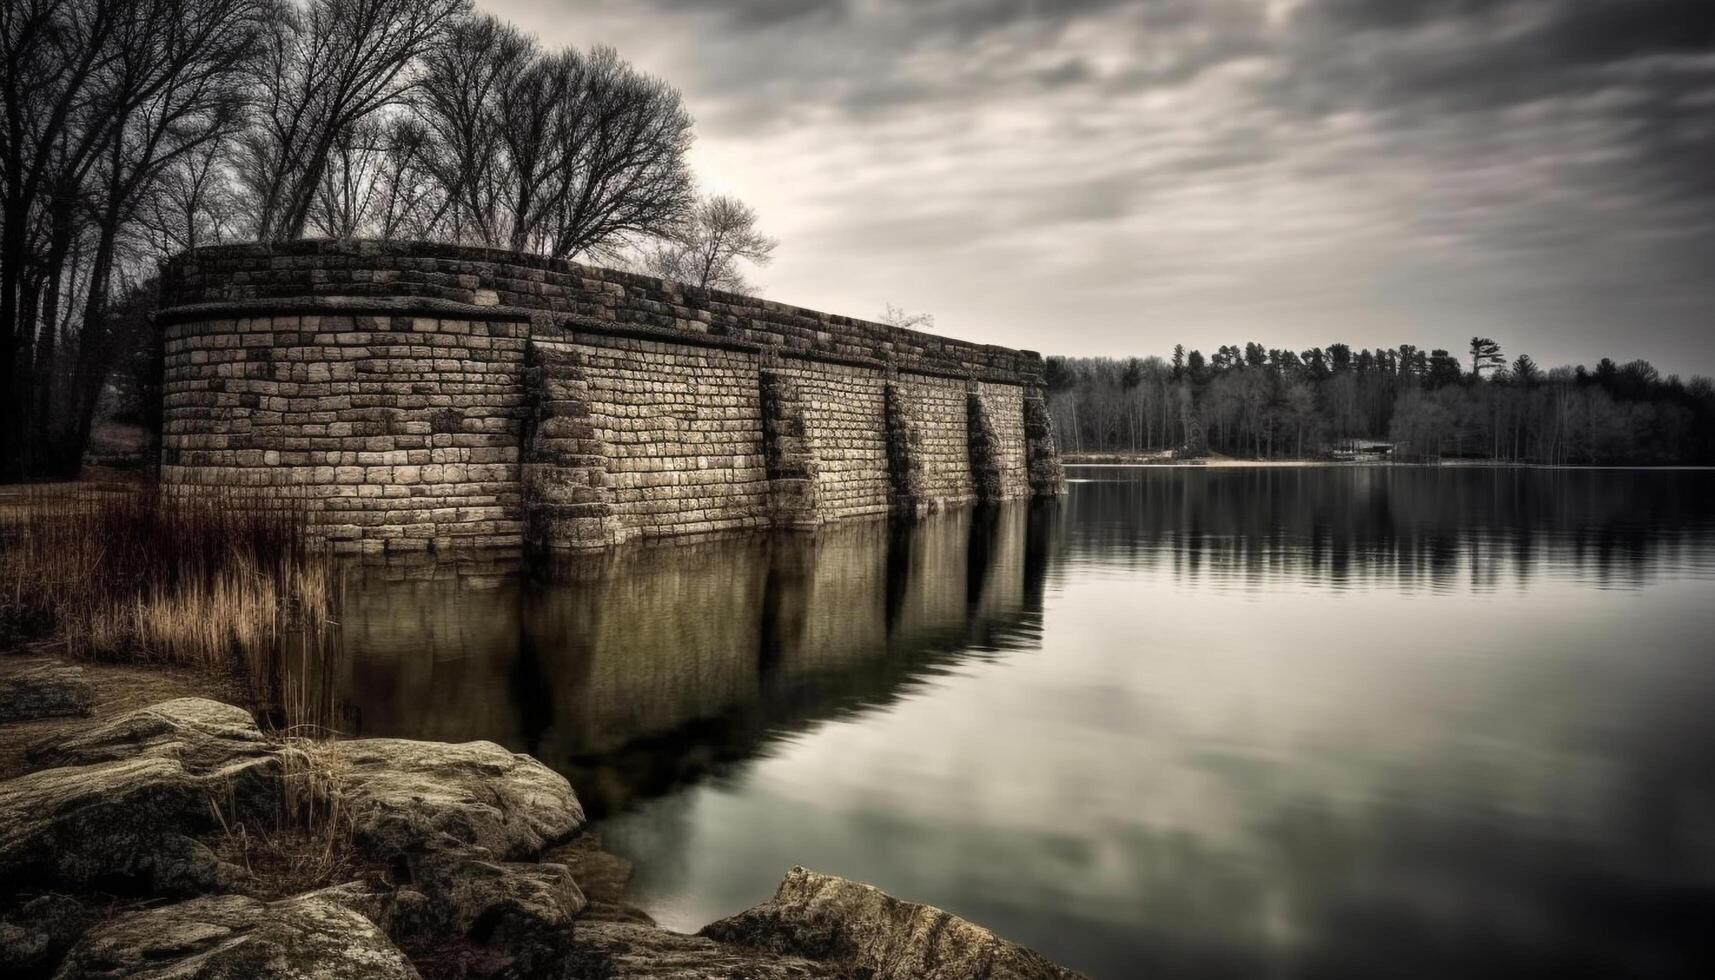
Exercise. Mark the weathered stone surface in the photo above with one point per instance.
(413, 797)
(128, 824)
(875, 935)
(230, 937)
(216, 745)
(205, 736)
(42, 689)
(630, 951)
(1042, 456)
(34, 936)
(524, 911)
(378, 904)
(602, 877)
(986, 449)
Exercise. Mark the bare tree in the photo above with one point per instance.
(565, 154)
(622, 174)
(470, 82)
(173, 88)
(101, 99)
(532, 112)
(193, 203)
(896, 316)
(709, 245)
(378, 182)
(51, 52)
(328, 65)
(409, 195)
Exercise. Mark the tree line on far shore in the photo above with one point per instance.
(1260, 402)
(135, 129)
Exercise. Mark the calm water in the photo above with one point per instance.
(1189, 723)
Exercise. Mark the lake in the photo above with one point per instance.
(1189, 722)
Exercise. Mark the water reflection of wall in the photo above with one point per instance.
(430, 647)
(651, 666)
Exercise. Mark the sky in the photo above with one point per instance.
(1117, 176)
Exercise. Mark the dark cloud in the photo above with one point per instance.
(1481, 54)
(759, 14)
(1120, 175)
(1396, 14)
(1611, 30)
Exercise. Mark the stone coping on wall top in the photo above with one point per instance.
(567, 326)
(474, 282)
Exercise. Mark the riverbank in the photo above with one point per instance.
(131, 837)
(1214, 460)
(151, 826)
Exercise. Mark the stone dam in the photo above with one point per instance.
(418, 396)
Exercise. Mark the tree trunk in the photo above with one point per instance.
(40, 436)
(11, 278)
(93, 349)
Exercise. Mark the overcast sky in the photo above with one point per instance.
(1117, 176)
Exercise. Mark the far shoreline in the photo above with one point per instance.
(1107, 461)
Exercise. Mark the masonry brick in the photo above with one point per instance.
(414, 394)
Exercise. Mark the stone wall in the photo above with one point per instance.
(395, 428)
(417, 395)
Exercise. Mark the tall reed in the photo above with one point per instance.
(212, 579)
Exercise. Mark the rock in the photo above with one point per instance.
(522, 911)
(875, 935)
(231, 937)
(410, 797)
(42, 689)
(378, 905)
(34, 936)
(630, 951)
(126, 800)
(22, 949)
(128, 824)
(204, 735)
(603, 878)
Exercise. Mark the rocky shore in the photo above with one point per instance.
(169, 840)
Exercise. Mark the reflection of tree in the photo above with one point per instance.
(1394, 525)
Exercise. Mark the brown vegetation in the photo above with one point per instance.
(142, 576)
(309, 844)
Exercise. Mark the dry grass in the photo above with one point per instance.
(224, 585)
(308, 844)
(219, 581)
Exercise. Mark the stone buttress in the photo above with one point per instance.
(567, 504)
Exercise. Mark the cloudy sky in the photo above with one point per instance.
(1116, 176)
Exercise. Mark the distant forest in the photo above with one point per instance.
(1264, 403)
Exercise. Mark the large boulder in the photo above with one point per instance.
(875, 935)
(204, 735)
(38, 688)
(522, 911)
(129, 824)
(602, 877)
(608, 950)
(126, 801)
(231, 937)
(409, 797)
(375, 902)
(35, 935)
(216, 743)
